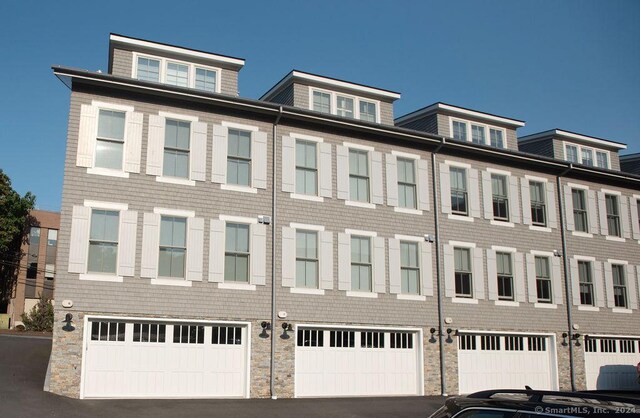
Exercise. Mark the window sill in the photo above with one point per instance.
(465, 300)
(360, 204)
(616, 239)
(304, 291)
(545, 305)
(412, 297)
(175, 180)
(502, 223)
(460, 217)
(101, 277)
(310, 198)
(107, 172)
(539, 228)
(621, 310)
(588, 308)
(235, 188)
(581, 234)
(357, 294)
(171, 282)
(237, 286)
(506, 303)
(407, 210)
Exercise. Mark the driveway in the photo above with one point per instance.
(23, 365)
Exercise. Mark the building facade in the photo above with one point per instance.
(309, 244)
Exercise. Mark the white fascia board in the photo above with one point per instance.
(571, 135)
(460, 112)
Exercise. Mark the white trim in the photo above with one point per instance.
(105, 205)
(306, 291)
(503, 333)
(408, 211)
(545, 305)
(504, 249)
(506, 303)
(621, 310)
(238, 219)
(585, 138)
(612, 336)
(459, 217)
(613, 261)
(487, 131)
(175, 212)
(594, 154)
(305, 137)
(584, 258)
(107, 172)
(541, 253)
(325, 326)
(468, 301)
(112, 106)
(357, 294)
(609, 191)
(540, 228)
(360, 233)
(94, 277)
(457, 164)
(616, 239)
(462, 244)
(536, 178)
(411, 238)
(502, 223)
(365, 205)
(497, 171)
(588, 308)
(419, 298)
(308, 197)
(178, 116)
(340, 84)
(402, 154)
(234, 125)
(236, 286)
(236, 188)
(581, 234)
(358, 146)
(175, 180)
(577, 186)
(165, 281)
(307, 227)
(459, 110)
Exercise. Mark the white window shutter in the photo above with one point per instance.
(392, 179)
(155, 145)
(492, 275)
(259, 159)
(624, 217)
(127, 242)
(568, 209)
(556, 280)
(216, 251)
(344, 262)
(87, 135)
(395, 280)
(198, 152)
(288, 164)
(426, 269)
(379, 266)
(552, 211)
(326, 186)
(133, 142)
(449, 271)
(195, 248)
(326, 260)
(79, 245)
(635, 222)
(593, 212)
(514, 200)
(342, 165)
(598, 284)
(532, 287)
(604, 225)
(219, 154)
(422, 184)
(575, 281)
(377, 195)
(288, 257)
(487, 195)
(631, 286)
(150, 245)
(258, 254)
(478, 273)
(474, 193)
(518, 277)
(608, 283)
(445, 188)
(526, 201)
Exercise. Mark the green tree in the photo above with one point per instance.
(14, 223)
(41, 316)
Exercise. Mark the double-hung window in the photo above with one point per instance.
(177, 74)
(361, 264)
(580, 210)
(613, 215)
(344, 106)
(148, 69)
(206, 80)
(367, 111)
(321, 101)
(585, 278)
(478, 134)
(602, 159)
(359, 175)
(306, 167)
(463, 275)
(500, 197)
(538, 206)
(459, 191)
(543, 279)
(110, 139)
(505, 276)
(103, 241)
(236, 256)
(307, 259)
(619, 286)
(496, 137)
(173, 247)
(587, 156)
(239, 158)
(409, 268)
(571, 153)
(406, 183)
(176, 148)
(459, 130)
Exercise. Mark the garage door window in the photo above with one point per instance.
(149, 333)
(371, 339)
(401, 340)
(513, 343)
(489, 342)
(627, 346)
(467, 342)
(310, 338)
(537, 344)
(188, 334)
(607, 346)
(341, 339)
(107, 331)
(226, 335)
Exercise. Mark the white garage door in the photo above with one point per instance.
(136, 359)
(610, 363)
(357, 363)
(505, 362)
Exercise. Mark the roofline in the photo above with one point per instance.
(336, 121)
(362, 88)
(633, 156)
(572, 135)
(159, 46)
(457, 109)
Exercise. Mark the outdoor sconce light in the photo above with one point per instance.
(68, 320)
(576, 337)
(266, 326)
(433, 337)
(430, 238)
(564, 339)
(557, 253)
(286, 328)
(449, 332)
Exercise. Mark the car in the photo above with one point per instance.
(529, 403)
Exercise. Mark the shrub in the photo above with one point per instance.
(41, 316)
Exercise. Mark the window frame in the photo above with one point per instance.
(367, 153)
(594, 153)
(306, 260)
(582, 212)
(463, 275)
(460, 192)
(548, 280)
(113, 107)
(613, 219)
(191, 73)
(622, 286)
(587, 283)
(236, 253)
(360, 263)
(538, 205)
(402, 185)
(116, 243)
(498, 200)
(315, 170)
(176, 149)
(417, 269)
(333, 103)
(239, 159)
(504, 278)
(186, 246)
(485, 127)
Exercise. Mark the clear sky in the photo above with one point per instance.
(568, 64)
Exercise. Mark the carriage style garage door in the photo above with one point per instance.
(494, 361)
(349, 362)
(144, 359)
(610, 363)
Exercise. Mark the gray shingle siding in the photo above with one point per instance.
(426, 124)
(122, 63)
(541, 147)
(285, 97)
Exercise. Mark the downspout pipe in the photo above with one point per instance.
(565, 265)
(274, 166)
(439, 281)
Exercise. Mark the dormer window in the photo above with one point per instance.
(148, 69)
(176, 73)
(367, 111)
(602, 159)
(321, 102)
(459, 130)
(587, 156)
(581, 154)
(477, 133)
(343, 105)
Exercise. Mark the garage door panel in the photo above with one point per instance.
(610, 363)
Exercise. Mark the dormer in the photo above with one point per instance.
(630, 163)
(464, 125)
(168, 64)
(574, 148)
(335, 97)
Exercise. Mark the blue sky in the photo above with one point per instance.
(573, 65)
